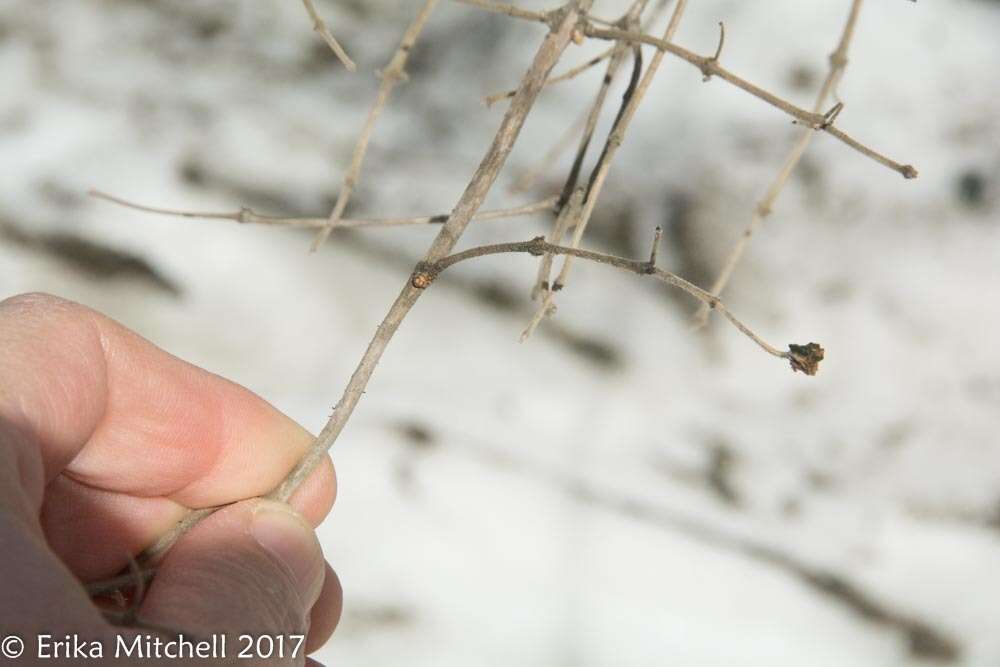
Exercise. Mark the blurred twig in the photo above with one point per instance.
(246, 215)
(393, 73)
(319, 25)
(838, 62)
(630, 103)
(568, 23)
(710, 67)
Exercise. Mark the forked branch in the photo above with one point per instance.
(562, 28)
(393, 73)
(319, 25)
(575, 205)
(804, 358)
(710, 67)
(838, 62)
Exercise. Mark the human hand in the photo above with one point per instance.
(106, 441)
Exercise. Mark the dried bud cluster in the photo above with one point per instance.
(805, 358)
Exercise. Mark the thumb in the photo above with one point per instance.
(254, 569)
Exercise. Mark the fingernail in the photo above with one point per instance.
(287, 537)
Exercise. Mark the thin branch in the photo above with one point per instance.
(838, 62)
(570, 213)
(426, 273)
(506, 9)
(319, 25)
(115, 584)
(565, 24)
(589, 117)
(654, 251)
(543, 285)
(548, 53)
(490, 100)
(393, 73)
(722, 41)
(718, 49)
(247, 216)
(163, 543)
(614, 141)
(709, 67)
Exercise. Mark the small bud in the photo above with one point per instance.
(577, 36)
(421, 280)
(805, 358)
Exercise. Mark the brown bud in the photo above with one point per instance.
(421, 280)
(805, 358)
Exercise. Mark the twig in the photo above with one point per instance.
(566, 24)
(615, 139)
(543, 285)
(393, 73)
(490, 100)
(838, 62)
(718, 49)
(657, 237)
(319, 25)
(507, 9)
(114, 584)
(152, 553)
(245, 215)
(570, 212)
(426, 273)
(529, 177)
(546, 57)
(709, 67)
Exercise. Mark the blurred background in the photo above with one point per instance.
(618, 490)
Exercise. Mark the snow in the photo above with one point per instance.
(562, 511)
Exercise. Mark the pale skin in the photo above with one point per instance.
(105, 442)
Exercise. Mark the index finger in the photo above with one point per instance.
(116, 413)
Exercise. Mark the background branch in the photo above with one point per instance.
(710, 67)
(319, 25)
(575, 204)
(247, 216)
(393, 73)
(630, 103)
(838, 62)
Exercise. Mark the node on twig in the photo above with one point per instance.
(708, 63)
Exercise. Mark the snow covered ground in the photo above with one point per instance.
(618, 490)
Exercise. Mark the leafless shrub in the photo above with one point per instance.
(572, 206)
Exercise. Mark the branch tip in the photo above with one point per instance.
(806, 357)
(657, 236)
(722, 41)
(708, 63)
(831, 116)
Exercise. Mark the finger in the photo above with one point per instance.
(326, 612)
(255, 568)
(117, 413)
(96, 531)
(40, 594)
